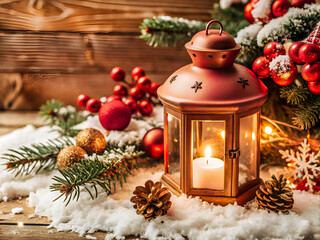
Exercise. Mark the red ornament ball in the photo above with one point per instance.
(261, 67)
(82, 100)
(132, 104)
(273, 49)
(309, 53)
(311, 72)
(137, 72)
(117, 74)
(301, 3)
(145, 107)
(314, 87)
(152, 143)
(294, 52)
(115, 115)
(283, 72)
(247, 12)
(120, 90)
(114, 97)
(153, 89)
(280, 7)
(93, 105)
(136, 93)
(144, 83)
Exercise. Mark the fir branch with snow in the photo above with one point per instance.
(63, 117)
(305, 163)
(26, 160)
(93, 171)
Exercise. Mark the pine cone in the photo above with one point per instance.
(152, 200)
(274, 196)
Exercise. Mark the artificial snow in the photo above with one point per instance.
(188, 217)
(16, 210)
(281, 64)
(224, 4)
(246, 35)
(262, 9)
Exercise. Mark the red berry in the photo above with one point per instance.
(136, 93)
(120, 90)
(137, 72)
(144, 83)
(132, 104)
(114, 97)
(301, 3)
(93, 105)
(273, 49)
(117, 74)
(294, 52)
(311, 72)
(284, 73)
(309, 53)
(247, 12)
(153, 89)
(280, 7)
(314, 87)
(145, 107)
(261, 67)
(82, 100)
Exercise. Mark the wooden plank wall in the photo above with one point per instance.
(60, 48)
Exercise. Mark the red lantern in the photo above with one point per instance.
(212, 121)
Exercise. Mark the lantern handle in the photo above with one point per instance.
(214, 21)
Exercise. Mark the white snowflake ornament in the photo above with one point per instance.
(305, 163)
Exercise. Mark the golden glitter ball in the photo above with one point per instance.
(91, 140)
(70, 155)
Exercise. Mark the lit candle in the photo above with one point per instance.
(208, 172)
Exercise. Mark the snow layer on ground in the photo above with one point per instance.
(188, 218)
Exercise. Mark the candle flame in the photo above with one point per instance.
(223, 134)
(208, 152)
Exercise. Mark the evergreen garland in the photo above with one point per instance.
(114, 166)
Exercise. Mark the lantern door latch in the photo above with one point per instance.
(234, 153)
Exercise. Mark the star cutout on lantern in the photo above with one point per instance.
(243, 82)
(196, 86)
(173, 78)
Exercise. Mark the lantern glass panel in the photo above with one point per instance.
(174, 147)
(248, 148)
(208, 153)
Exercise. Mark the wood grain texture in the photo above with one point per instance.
(75, 53)
(94, 15)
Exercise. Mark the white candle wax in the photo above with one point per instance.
(208, 173)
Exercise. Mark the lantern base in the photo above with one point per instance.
(241, 199)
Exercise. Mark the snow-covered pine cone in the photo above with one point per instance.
(274, 195)
(152, 200)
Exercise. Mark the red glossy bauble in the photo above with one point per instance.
(301, 3)
(309, 53)
(261, 67)
(132, 104)
(136, 93)
(273, 49)
(145, 107)
(144, 83)
(247, 12)
(152, 143)
(311, 72)
(114, 97)
(82, 100)
(314, 87)
(117, 74)
(120, 90)
(294, 52)
(115, 115)
(280, 7)
(137, 72)
(93, 105)
(153, 89)
(284, 78)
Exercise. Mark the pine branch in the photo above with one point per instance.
(62, 116)
(39, 156)
(115, 165)
(167, 31)
(295, 94)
